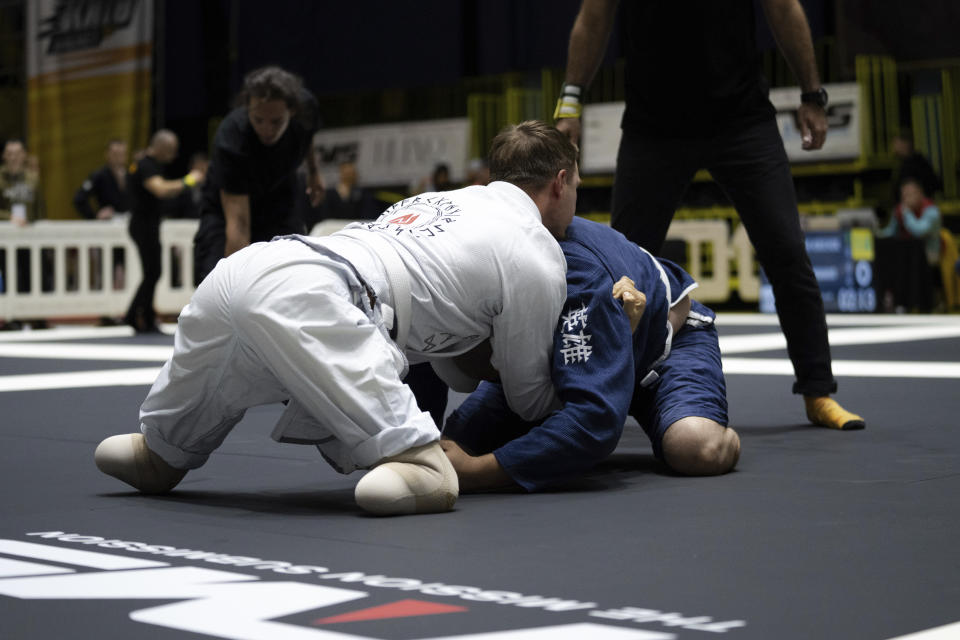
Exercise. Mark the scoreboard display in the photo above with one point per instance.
(843, 263)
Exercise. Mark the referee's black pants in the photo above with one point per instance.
(749, 163)
(146, 235)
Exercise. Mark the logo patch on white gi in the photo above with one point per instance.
(423, 217)
(576, 346)
(409, 218)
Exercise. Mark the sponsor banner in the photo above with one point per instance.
(601, 128)
(88, 68)
(250, 598)
(395, 154)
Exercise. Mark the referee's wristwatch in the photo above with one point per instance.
(818, 97)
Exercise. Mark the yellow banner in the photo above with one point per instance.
(88, 64)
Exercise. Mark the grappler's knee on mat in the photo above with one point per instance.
(700, 447)
(419, 480)
(127, 458)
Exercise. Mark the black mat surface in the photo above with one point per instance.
(817, 534)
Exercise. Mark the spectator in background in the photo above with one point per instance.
(148, 188)
(912, 165)
(107, 185)
(21, 203)
(478, 173)
(439, 180)
(916, 216)
(908, 252)
(20, 200)
(348, 200)
(250, 193)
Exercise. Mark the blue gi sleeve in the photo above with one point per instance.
(484, 421)
(593, 372)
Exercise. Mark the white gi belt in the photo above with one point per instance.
(398, 277)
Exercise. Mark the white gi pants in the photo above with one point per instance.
(278, 321)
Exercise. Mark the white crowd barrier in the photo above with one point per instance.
(92, 268)
(59, 269)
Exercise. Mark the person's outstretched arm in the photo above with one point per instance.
(236, 213)
(789, 25)
(588, 42)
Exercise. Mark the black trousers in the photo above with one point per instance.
(208, 246)
(146, 235)
(749, 163)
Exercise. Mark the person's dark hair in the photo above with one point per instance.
(272, 83)
(530, 154)
(915, 182)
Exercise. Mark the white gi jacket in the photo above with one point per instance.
(480, 264)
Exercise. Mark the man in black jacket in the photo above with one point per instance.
(147, 188)
(107, 185)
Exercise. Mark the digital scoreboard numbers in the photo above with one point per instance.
(843, 264)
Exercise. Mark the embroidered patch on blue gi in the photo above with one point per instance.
(576, 344)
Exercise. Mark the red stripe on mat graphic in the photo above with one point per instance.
(399, 609)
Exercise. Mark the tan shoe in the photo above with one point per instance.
(826, 412)
(419, 480)
(127, 458)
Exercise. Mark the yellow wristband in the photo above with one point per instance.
(190, 180)
(567, 109)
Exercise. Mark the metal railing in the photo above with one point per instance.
(58, 269)
(64, 269)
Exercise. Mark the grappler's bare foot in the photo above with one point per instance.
(419, 480)
(825, 412)
(127, 458)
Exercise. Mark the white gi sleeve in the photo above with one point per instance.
(522, 339)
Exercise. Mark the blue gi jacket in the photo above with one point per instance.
(594, 370)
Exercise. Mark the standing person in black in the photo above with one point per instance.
(250, 191)
(147, 188)
(696, 99)
(107, 185)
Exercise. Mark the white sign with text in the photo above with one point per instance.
(395, 154)
(601, 128)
